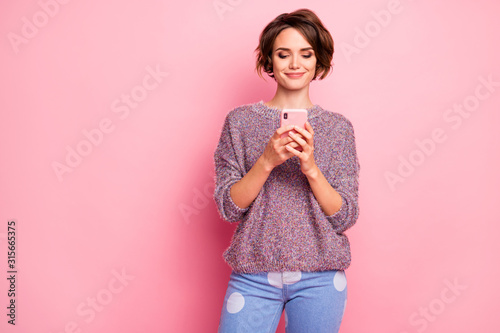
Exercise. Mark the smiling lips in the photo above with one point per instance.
(294, 75)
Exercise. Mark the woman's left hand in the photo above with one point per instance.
(305, 140)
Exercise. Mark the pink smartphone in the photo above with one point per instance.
(293, 117)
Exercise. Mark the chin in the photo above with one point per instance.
(295, 85)
(295, 88)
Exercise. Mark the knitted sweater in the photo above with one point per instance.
(285, 229)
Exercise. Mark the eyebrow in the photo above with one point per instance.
(287, 49)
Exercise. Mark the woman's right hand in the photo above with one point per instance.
(275, 152)
(244, 191)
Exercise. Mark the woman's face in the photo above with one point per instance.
(294, 61)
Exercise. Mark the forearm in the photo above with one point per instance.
(247, 188)
(328, 198)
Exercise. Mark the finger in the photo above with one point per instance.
(281, 130)
(293, 144)
(302, 131)
(293, 150)
(296, 146)
(285, 140)
(285, 137)
(298, 135)
(290, 138)
(300, 140)
(308, 134)
(309, 128)
(283, 151)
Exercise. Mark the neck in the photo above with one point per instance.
(291, 99)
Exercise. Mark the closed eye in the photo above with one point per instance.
(283, 56)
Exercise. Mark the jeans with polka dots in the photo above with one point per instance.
(312, 302)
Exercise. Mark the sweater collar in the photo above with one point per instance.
(275, 113)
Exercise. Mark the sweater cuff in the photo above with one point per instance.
(342, 219)
(339, 213)
(234, 211)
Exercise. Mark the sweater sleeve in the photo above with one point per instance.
(344, 179)
(228, 171)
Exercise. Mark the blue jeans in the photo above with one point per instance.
(313, 302)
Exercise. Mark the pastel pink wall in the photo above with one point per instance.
(125, 237)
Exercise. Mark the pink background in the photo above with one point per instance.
(425, 248)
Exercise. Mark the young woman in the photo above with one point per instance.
(294, 196)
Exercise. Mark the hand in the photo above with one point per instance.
(305, 140)
(275, 152)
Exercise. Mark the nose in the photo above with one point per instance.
(294, 62)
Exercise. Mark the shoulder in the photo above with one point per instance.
(334, 121)
(240, 112)
(245, 116)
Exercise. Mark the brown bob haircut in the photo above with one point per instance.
(313, 30)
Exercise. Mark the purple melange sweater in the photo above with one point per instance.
(284, 229)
